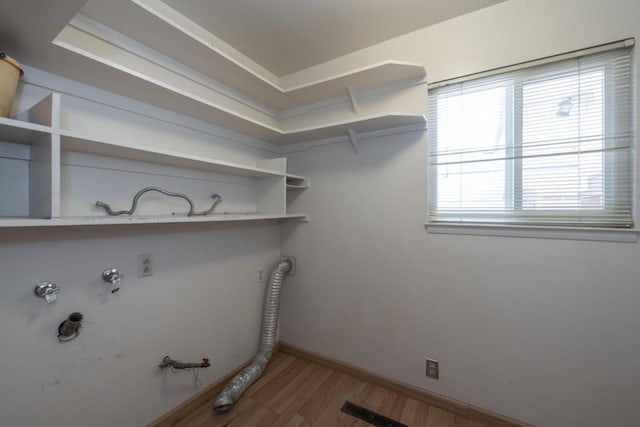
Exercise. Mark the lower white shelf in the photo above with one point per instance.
(91, 221)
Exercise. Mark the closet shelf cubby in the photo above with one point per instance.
(53, 177)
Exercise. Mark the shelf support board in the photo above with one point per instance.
(353, 137)
(353, 95)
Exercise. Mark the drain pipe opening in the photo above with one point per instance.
(68, 329)
(234, 389)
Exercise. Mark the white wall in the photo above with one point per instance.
(544, 331)
(541, 330)
(201, 301)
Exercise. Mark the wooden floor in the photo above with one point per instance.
(295, 392)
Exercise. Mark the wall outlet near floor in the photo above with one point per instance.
(145, 265)
(260, 277)
(433, 369)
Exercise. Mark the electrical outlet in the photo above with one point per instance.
(145, 265)
(260, 276)
(433, 369)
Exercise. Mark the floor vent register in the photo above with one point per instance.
(369, 416)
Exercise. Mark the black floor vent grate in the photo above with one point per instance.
(369, 416)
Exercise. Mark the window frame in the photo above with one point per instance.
(513, 171)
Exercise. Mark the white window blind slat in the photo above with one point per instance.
(551, 144)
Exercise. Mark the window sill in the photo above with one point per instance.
(537, 232)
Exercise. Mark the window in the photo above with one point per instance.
(549, 143)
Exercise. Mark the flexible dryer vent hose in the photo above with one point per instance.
(234, 389)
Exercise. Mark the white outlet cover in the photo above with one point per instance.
(145, 265)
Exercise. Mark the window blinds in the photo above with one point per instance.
(548, 144)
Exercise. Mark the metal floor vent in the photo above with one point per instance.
(369, 416)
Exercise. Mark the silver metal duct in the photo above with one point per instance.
(234, 389)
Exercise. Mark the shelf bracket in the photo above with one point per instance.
(353, 95)
(353, 137)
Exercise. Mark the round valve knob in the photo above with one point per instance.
(46, 288)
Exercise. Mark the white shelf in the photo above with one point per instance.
(50, 193)
(294, 176)
(139, 220)
(21, 132)
(30, 179)
(359, 125)
(359, 80)
(73, 141)
(150, 23)
(200, 76)
(295, 182)
(296, 187)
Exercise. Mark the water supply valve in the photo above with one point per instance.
(176, 364)
(47, 290)
(113, 276)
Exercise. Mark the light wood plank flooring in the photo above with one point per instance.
(294, 392)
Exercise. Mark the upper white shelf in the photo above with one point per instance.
(20, 131)
(295, 182)
(152, 23)
(154, 54)
(359, 80)
(73, 141)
